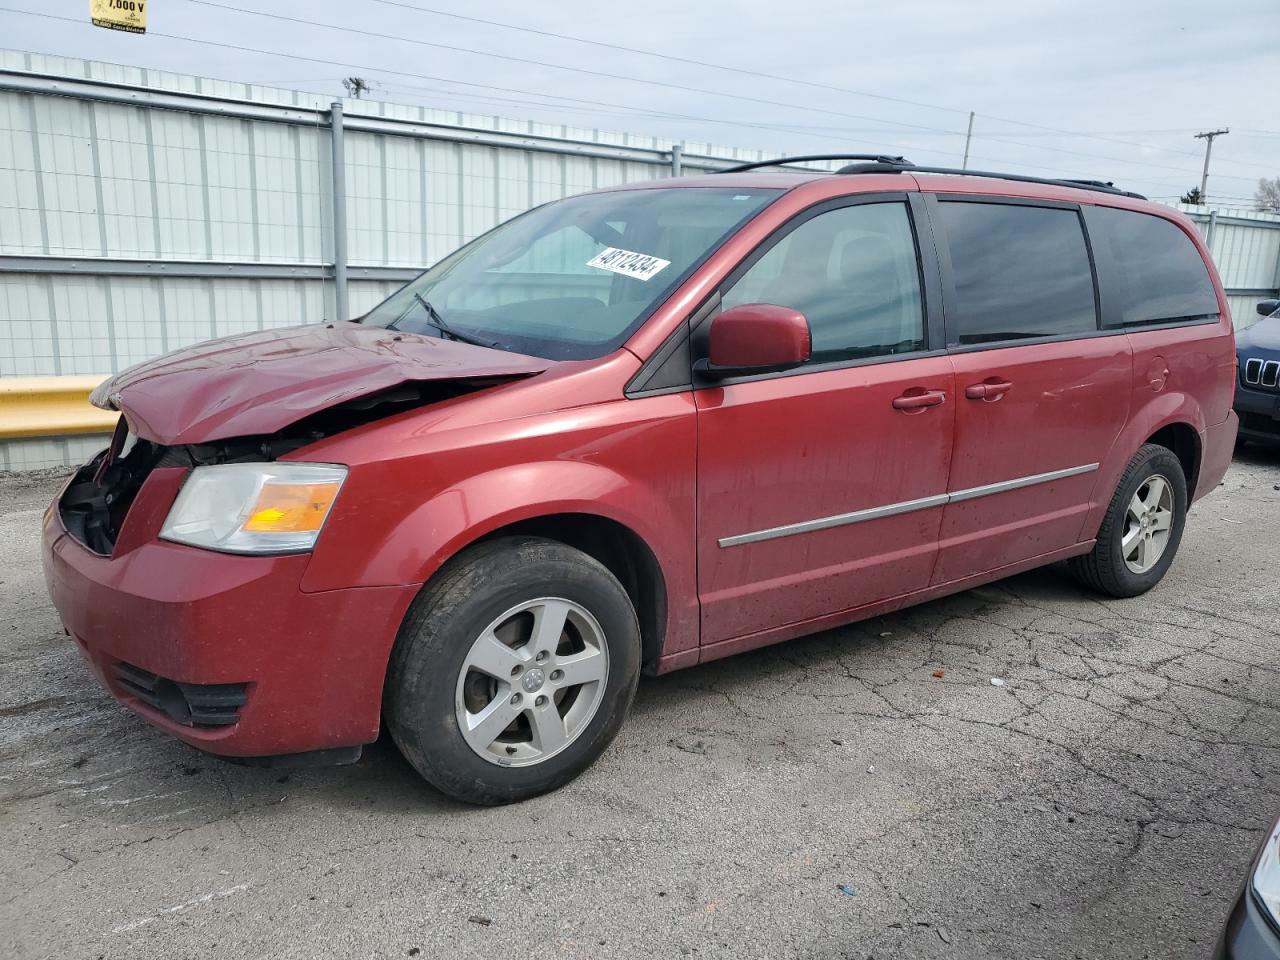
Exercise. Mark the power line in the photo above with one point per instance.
(1105, 136)
(1098, 156)
(414, 91)
(403, 73)
(666, 56)
(560, 66)
(744, 124)
(659, 83)
(732, 123)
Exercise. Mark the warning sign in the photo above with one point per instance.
(127, 15)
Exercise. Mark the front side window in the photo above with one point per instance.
(1158, 273)
(1018, 271)
(853, 273)
(573, 279)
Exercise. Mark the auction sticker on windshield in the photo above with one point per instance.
(641, 266)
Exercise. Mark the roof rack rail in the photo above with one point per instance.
(814, 157)
(1099, 186)
(883, 163)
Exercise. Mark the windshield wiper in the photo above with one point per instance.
(436, 320)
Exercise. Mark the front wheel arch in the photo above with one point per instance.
(622, 551)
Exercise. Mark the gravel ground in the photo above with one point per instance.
(866, 792)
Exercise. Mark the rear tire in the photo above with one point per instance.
(518, 629)
(1142, 528)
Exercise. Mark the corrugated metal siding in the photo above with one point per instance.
(93, 178)
(100, 179)
(1243, 311)
(1246, 249)
(1246, 256)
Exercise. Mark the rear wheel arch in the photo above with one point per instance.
(1183, 440)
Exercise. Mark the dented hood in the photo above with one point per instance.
(261, 382)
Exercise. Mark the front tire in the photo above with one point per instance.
(1142, 529)
(513, 670)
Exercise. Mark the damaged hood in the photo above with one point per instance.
(261, 382)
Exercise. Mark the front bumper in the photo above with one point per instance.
(1259, 413)
(309, 666)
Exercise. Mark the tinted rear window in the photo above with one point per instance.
(1018, 271)
(1158, 274)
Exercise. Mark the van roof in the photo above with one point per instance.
(884, 170)
(882, 163)
(908, 181)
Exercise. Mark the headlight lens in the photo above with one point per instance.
(1266, 879)
(254, 507)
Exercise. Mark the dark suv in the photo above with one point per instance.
(1258, 392)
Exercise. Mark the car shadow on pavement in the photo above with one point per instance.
(1262, 455)
(382, 780)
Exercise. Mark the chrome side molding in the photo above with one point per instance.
(906, 506)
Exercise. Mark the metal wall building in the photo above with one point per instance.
(141, 211)
(1246, 249)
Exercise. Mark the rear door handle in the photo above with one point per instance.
(990, 389)
(920, 400)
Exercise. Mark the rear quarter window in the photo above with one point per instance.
(1151, 271)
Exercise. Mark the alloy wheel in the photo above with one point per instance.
(532, 681)
(1148, 521)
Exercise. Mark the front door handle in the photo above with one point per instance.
(918, 399)
(991, 388)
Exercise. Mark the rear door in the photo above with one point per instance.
(1042, 393)
(816, 493)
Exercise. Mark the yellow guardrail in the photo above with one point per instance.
(51, 407)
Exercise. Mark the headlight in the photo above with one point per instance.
(1266, 879)
(254, 507)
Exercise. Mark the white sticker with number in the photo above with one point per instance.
(641, 266)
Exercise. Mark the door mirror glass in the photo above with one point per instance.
(757, 338)
(1267, 307)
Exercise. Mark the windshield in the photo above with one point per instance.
(571, 280)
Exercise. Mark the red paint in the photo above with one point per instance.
(759, 335)
(257, 383)
(682, 470)
(314, 662)
(1065, 405)
(788, 449)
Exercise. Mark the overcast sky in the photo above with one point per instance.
(1140, 77)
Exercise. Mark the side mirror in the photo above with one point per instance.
(756, 338)
(1267, 307)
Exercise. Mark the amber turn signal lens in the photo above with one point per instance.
(291, 507)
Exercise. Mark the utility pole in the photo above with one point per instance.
(339, 165)
(1208, 149)
(968, 135)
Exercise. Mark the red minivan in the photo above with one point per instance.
(636, 430)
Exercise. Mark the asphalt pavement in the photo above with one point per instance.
(866, 792)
